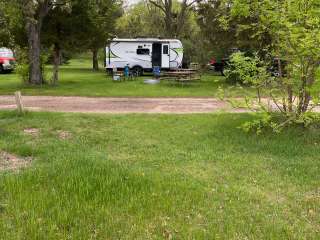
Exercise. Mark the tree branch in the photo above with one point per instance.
(191, 3)
(157, 5)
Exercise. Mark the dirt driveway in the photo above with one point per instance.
(118, 105)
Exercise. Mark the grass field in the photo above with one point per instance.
(158, 177)
(77, 79)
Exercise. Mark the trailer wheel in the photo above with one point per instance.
(137, 71)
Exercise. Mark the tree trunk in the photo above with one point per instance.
(95, 62)
(302, 91)
(309, 82)
(104, 58)
(170, 31)
(56, 63)
(181, 17)
(169, 25)
(306, 102)
(33, 13)
(35, 73)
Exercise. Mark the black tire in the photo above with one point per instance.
(1, 69)
(222, 72)
(137, 71)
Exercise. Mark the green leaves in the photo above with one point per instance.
(294, 30)
(245, 70)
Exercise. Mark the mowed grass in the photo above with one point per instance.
(158, 177)
(77, 79)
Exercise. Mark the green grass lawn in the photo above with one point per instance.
(77, 79)
(158, 177)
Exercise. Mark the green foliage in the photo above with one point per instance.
(245, 70)
(275, 122)
(22, 68)
(260, 125)
(221, 31)
(12, 30)
(5, 36)
(294, 30)
(140, 20)
(43, 60)
(99, 23)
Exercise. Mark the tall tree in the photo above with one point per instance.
(140, 21)
(146, 20)
(174, 16)
(60, 33)
(101, 16)
(34, 12)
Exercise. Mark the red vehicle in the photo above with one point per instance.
(7, 60)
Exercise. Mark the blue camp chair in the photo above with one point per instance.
(126, 71)
(156, 71)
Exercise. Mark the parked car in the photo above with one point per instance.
(7, 60)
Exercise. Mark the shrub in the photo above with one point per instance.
(294, 32)
(22, 68)
(243, 69)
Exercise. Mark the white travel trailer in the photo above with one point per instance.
(142, 54)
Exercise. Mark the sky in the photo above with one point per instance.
(132, 1)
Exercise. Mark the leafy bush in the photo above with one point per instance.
(276, 122)
(244, 70)
(22, 68)
(294, 91)
(23, 71)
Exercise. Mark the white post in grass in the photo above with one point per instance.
(19, 102)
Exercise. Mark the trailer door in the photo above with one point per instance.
(165, 56)
(156, 55)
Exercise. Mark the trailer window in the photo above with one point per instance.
(143, 51)
(165, 49)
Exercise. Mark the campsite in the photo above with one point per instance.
(159, 119)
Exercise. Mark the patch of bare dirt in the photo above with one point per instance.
(64, 135)
(34, 132)
(120, 105)
(11, 162)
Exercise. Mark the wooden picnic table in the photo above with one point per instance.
(186, 75)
